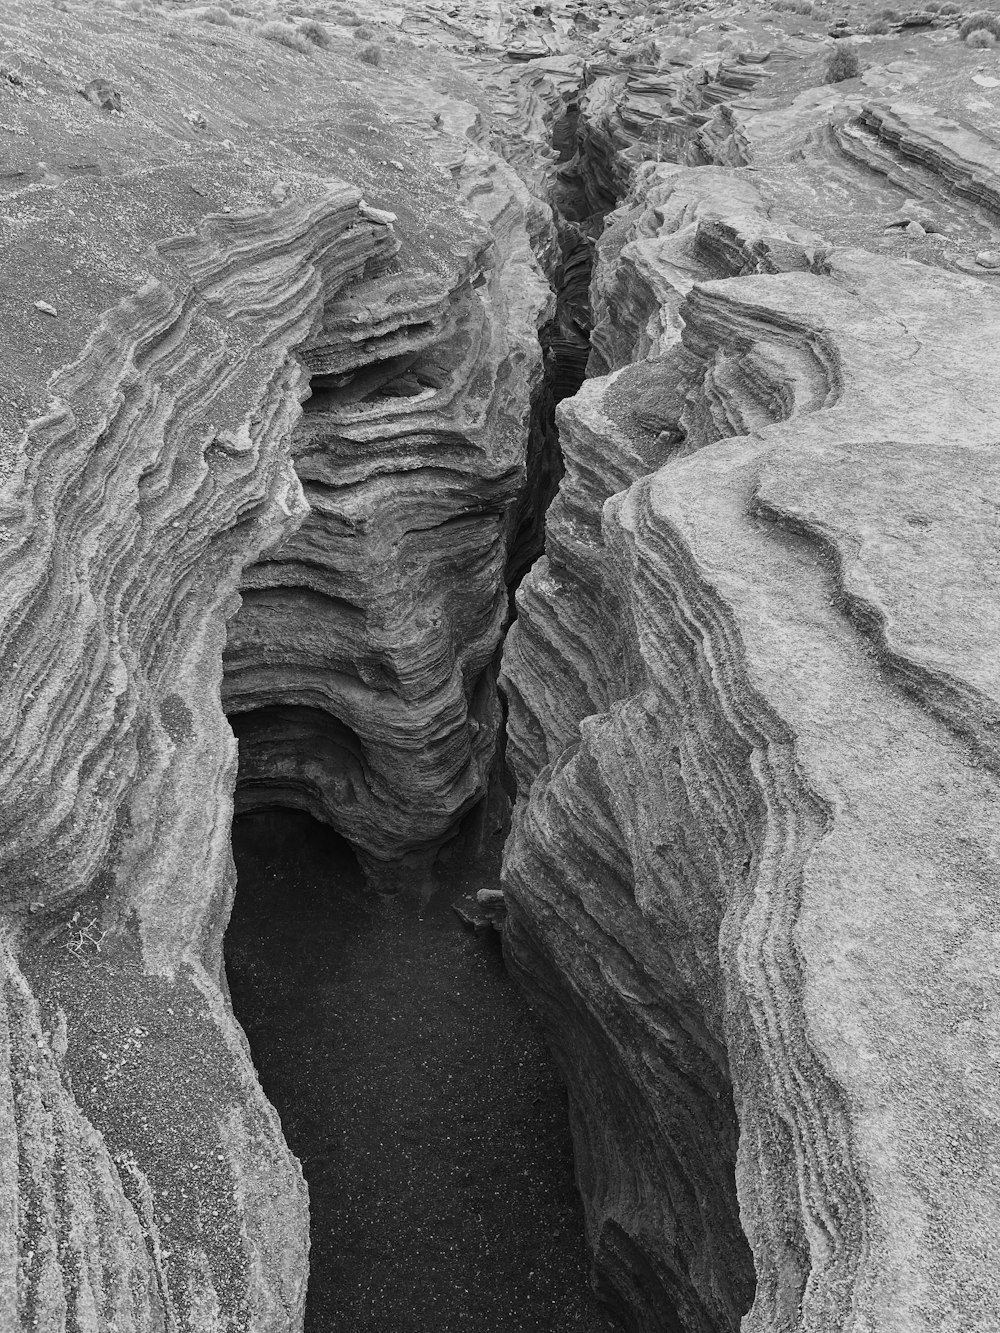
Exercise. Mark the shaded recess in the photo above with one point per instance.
(413, 1083)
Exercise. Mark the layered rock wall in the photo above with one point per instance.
(155, 465)
(752, 876)
(150, 1184)
(359, 670)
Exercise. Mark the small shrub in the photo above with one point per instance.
(980, 37)
(843, 63)
(371, 54)
(216, 14)
(314, 32)
(890, 15)
(878, 28)
(949, 9)
(365, 33)
(284, 34)
(976, 23)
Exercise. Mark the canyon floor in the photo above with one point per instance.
(414, 1085)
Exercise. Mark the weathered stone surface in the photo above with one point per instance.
(359, 671)
(752, 876)
(752, 688)
(155, 1186)
(151, 432)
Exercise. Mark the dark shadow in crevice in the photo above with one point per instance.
(414, 1085)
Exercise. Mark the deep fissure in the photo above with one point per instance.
(738, 747)
(414, 1086)
(342, 991)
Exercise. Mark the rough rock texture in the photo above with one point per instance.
(168, 295)
(359, 671)
(154, 1187)
(752, 880)
(753, 697)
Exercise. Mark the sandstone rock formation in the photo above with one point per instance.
(359, 670)
(752, 877)
(153, 431)
(279, 373)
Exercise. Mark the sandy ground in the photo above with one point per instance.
(413, 1083)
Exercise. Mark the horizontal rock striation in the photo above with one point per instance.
(969, 162)
(151, 1186)
(751, 879)
(154, 458)
(666, 396)
(359, 670)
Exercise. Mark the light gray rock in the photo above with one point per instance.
(752, 877)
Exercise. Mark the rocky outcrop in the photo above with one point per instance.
(751, 876)
(151, 1186)
(359, 670)
(288, 460)
(153, 441)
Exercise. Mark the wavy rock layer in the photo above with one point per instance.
(752, 878)
(155, 1189)
(359, 670)
(154, 461)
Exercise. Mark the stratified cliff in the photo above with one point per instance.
(275, 437)
(752, 879)
(359, 670)
(181, 281)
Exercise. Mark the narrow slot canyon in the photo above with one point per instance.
(498, 700)
(414, 1086)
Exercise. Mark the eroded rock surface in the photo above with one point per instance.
(359, 670)
(275, 439)
(752, 875)
(173, 302)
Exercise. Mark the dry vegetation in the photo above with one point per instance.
(843, 63)
(981, 29)
(302, 28)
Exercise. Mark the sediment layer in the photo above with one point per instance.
(751, 873)
(359, 670)
(157, 468)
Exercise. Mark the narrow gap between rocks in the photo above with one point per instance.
(412, 1079)
(415, 1087)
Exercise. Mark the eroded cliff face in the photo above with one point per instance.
(752, 876)
(157, 465)
(284, 464)
(360, 676)
(150, 1186)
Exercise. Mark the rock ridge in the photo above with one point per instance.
(753, 651)
(157, 468)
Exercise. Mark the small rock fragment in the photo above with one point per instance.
(45, 308)
(988, 259)
(279, 191)
(196, 120)
(376, 214)
(102, 94)
(472, 915)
